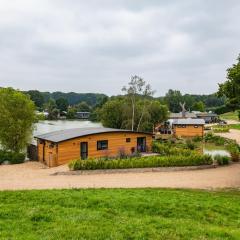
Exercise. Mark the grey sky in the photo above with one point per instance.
(95, 46)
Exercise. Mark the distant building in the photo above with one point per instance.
(208, 117)
(188, 127)
(182, 115)
(82, 115)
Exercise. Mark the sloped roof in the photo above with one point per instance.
(180, 115)
(63, 135)
(189, 121)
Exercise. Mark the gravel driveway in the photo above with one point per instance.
(34, 175)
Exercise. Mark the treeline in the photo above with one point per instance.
(193, 102)
(72, 98)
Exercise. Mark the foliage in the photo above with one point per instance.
(234, 150)
(116, 214)
(71, 113)
(52, 110)
(36, 97)
(190, 144)
(83, 107)
(62, 104)
(137, 91)
(211, 138)
(231, 88)
(117, 113)
(12, 157)
(198, 106)
(174, 97)
(222, 160)
(230, 116)
(17, 115)
(234, 126)
(221, 129)
(141, 162)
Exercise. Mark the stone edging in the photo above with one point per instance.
(134, 170)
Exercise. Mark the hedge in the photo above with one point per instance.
(12, 157)
(141, 162)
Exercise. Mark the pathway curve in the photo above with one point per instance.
(34, 175)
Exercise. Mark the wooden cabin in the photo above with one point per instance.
(188, 127)
(60, 147)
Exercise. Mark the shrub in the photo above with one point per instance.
(190, 144)
(143, 162)
(197, 139)
(222, 160)
(234, 151)
(12, 157)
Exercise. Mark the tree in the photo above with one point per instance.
(62, 104)
(137, 88)
(111, 114)
(231, 88)
(52, 110)
(83, 107)
(71, 113)
(37, 97)
(198, 106)
(172, 99)
(17, 115)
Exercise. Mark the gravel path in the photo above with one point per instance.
(34, 175)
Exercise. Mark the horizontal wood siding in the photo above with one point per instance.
(69, 150)
(189, 131)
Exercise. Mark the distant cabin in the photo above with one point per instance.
(60, 147)
(82, 115)
(208, 117)
(188, 127)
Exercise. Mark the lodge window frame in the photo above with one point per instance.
(128, 140)
(102, 145)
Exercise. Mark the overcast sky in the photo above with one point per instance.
(97, 45)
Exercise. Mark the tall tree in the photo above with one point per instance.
(17, 115)
(83, 107)
(231, 88)
(137, 88)
(62, 104)
(52, 110)
(37, 97)
(198, 106)
(172, 99)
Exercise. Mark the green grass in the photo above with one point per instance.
(119, 214)
(230, 116)
(235, 126)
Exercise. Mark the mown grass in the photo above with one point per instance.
(235, 126)
(119, 214)
(230, 116)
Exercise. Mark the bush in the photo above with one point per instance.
(143, 162)
(12, 157)
(209, 137)
(222, 160)
(234, 151)
(197, 139)
(190, 144)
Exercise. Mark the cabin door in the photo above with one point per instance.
(84, 150)
(141, 144)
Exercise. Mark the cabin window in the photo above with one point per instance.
(184, 126)
(128, 140)
(102, 145)
(195, 126)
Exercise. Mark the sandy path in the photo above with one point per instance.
(232, 134)
(33, 175)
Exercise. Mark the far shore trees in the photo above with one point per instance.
(17, 116)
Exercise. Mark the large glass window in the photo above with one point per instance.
(102, 145)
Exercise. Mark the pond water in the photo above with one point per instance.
(214, 150)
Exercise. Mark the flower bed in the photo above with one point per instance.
(142, 162)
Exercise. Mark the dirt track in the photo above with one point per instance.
(33, 175)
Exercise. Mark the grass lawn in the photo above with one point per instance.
(119, 214)
(230, 116)
(235, 126)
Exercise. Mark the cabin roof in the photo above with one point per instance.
(188, 121)
(180, 115)
(67, 134)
